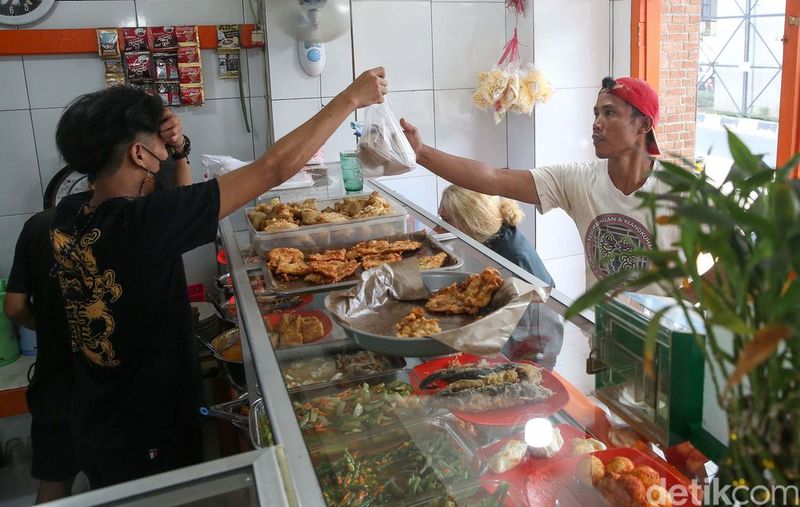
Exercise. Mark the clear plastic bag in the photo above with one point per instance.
(383, 149)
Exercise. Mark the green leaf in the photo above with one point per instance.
(599, 292)
(742, 156)
(648, 354)
(705, 214)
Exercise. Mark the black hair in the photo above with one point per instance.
(96, 128)
(608, 84)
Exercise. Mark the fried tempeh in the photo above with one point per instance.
(416, 324)
(431, 261)
(468, 296)
(370, 261)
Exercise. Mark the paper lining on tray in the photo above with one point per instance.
(387, 294)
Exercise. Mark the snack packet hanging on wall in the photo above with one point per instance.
(383, 149)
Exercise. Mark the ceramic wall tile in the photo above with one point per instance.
(217, 128)
(12, 83)
(621, 56)
(260, 126)
(420, 190)
(55, 80)
(568, 274)
(467, 38)
(21, 191)
(216, 88)
(343, 139)
(189, 12)
(287, 115)
(255, 71)
(287, 80)
(464, 130)
(397, 36)
(45, 122)
(564, 126)
(200, 265)
(10, 227)
(75, 14)
(557, 235)
(338, 73)
(572, 41)
(417, 108)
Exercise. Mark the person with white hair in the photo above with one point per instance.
(492, 221)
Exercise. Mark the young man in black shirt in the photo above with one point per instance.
(118, 263)
(33, 299)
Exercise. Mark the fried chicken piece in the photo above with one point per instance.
(333, 270)
(468, 296)
(309, 216)
(331, 217)
(288, 263)
(431, 261)
(258, 219)
(318, 279)
(370, 261)
(279, 225)
(404, 245)
(327, 255)
(415, 324)
(371, 247)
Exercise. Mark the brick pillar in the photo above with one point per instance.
(680, 43)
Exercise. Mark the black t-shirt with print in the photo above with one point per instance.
(48, 394)
(136, 377)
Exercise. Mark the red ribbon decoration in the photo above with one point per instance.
(517, 6)
(511, 49)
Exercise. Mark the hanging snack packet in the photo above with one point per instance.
(108, 43)
(134, 39)
(383, 149)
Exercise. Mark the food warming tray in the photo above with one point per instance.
(430, 246)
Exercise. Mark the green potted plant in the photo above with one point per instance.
(749, 301)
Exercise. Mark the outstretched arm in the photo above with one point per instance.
(289, 154)
(472, 174)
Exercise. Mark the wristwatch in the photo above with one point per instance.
(187, 147)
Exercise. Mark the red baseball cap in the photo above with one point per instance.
(640, 95)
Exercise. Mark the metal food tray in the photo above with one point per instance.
(257, 436)
(378, 442)
(411, 347)
(319, 235)
(305, 353)
(430, 246)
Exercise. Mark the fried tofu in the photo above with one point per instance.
(416, 324)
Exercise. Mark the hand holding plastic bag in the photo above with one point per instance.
(383, 149)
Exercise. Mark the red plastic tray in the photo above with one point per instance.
(518, 476)
(274, 318)
(547, 484)
(502, 417)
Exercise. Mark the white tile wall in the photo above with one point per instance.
(341, 140)
(217, 128)
(287, 115)
(74, 14)
(21, 190)
(259, 125)
(45, 122)
(568, 273)
(338, 74)
(12, 83)
(467, 131)
(10, 227)
(467, 39)
(287, 79)
(564, 126)
(189, 12)
(557, 235)
(255, 71)
(397, 36)
(214, 88)
(572, 41)
(622, 38)
(416, 107)
(54, 80)
(421, 190)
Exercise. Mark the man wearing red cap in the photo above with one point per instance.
(598, 195)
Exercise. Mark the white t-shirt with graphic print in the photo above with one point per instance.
(610, 223)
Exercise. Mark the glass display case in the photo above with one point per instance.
(349, 426)
(375, 438)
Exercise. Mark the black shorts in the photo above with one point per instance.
(109, 465)
(54, 457)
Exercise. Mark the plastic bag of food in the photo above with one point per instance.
(383, 149)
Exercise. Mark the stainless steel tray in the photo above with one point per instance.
(260, 432)
(286, 356)
(388, 344)
(430, 246)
